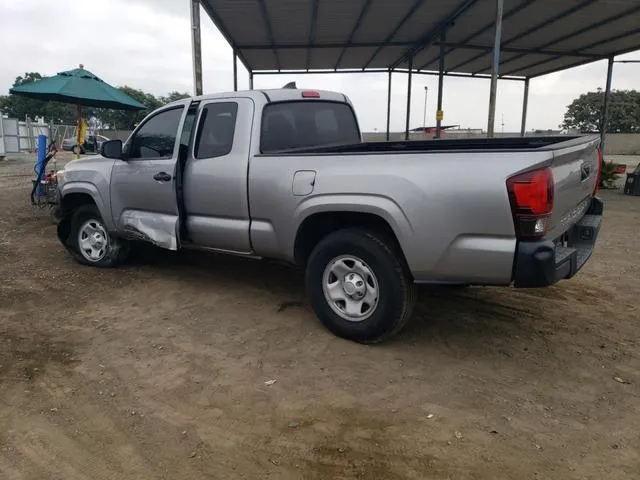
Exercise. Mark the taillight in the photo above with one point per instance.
(310, 94)
(599, 176)
(531, 197)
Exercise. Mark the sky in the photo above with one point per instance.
(146, 44)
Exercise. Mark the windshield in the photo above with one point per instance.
(298, 124)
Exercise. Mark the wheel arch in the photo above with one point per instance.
(74, 194)
(379, 215)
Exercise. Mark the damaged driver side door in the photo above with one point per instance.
(143, 184)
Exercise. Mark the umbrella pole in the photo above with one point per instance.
(79, 132)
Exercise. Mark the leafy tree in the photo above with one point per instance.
(128, 119)
(173, 96)
(29, 77)
(585, 112)
(62, 113)
(20, 107)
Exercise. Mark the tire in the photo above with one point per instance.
(53, 214)
(87, 219)
(381, 269)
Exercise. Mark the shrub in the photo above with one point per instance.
(609, 175)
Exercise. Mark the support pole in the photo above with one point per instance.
(439, 114)
(406, 127)
(495, 66)
(525, 105)
(389, 105)
(424, 115)
(604, 126)
(250, 80)
(196, 48)
(79, 133)
(235, 72)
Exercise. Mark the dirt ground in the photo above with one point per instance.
(165, 369)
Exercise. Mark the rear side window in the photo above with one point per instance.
(216, 130)
(307, 123)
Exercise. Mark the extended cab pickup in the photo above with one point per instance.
(284, 174)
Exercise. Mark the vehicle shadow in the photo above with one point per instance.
(474, 314)
(197, 266)
(498, 319)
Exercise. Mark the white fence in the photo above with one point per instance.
(17, 136)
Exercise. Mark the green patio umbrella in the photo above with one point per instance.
(79, 87)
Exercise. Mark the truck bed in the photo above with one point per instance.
(458, 145)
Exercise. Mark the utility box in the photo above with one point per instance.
(632, 185)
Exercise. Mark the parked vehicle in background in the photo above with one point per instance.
(92, 143)
(283, 174)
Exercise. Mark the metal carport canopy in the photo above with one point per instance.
(538, 36)
(508, 39)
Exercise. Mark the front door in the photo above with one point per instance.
(143, 184)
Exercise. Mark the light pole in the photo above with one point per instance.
(424, 119)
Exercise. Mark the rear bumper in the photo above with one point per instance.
(543, 263)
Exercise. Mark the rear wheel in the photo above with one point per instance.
(359, 286)
(91, 243)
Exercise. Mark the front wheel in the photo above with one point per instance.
(91, 243)
(359, 286)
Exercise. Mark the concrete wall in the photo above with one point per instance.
(622, 144)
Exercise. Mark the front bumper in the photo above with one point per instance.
(543, 263)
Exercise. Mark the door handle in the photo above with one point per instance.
(162, 177)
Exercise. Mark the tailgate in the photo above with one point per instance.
(575, 173)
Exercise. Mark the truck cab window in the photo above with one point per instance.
(300, 124)
(156, 138)
(216, 130)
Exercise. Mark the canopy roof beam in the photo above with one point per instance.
(312, 30)
(484, 29)
(356, 26)
(222, 27)
(571, 54)
(368, 36)
(267, 23)
(568, 36)
(417, 4)
(469, 46)
(533, 29)
(434, 33)
(380, 70)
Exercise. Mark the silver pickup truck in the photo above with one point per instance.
(284, 174)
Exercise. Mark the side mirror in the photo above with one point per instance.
(112, 149)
